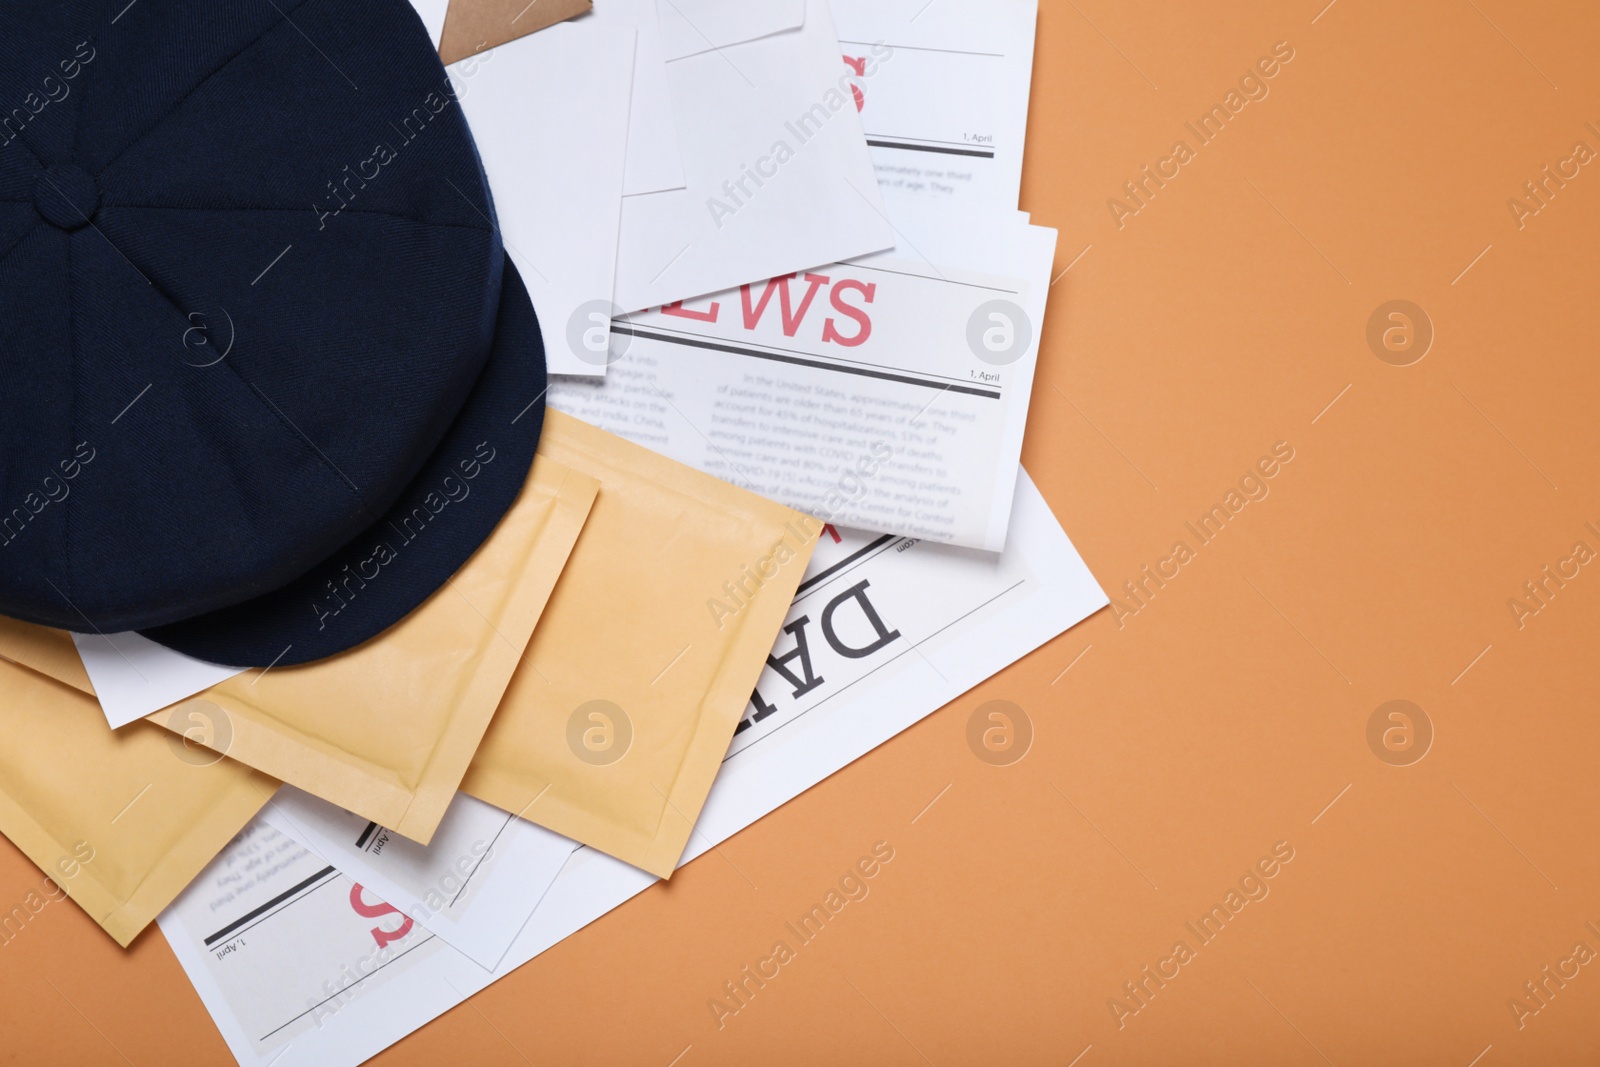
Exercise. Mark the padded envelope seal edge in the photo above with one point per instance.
(503, 776)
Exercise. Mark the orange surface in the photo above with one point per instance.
(1232, 709)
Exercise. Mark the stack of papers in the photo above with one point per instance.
(771, 243)
(886, 391)
(328, 983)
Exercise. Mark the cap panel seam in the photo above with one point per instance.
(22, 139)
(288, 425)
(260, 396)
(5, 253)
(201, 84)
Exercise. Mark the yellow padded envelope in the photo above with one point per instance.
(121, 821)
(632, 686)
(45, 650)
(618, 718)
(387, 729)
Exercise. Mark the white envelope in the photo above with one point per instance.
(945, 109)
(654, 162)
(133, 676)
(779, 176)
(549, 113)
(689, 27)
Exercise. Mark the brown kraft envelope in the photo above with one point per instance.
(387, 729)
(121, 821)
(47, 651)
(473, 26)
(629, 693)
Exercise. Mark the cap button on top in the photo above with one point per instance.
(66, 196)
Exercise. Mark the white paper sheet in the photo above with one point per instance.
(133, 676)
(889, 393)
(474, 884)
(779, 176)
(654, 162)
(689, 27)
(288, 943)
(549, 113)
(947, 109)
(970, 613)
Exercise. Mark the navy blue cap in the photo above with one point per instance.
(254, 310)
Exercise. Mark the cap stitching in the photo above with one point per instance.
(283, 419)
(22, 139)
(5, 253)
(302, 438)
(159, 120)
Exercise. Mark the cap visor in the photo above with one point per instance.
(438, 522)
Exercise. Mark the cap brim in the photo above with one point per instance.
(449, 509)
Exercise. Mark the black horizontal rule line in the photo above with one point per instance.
(979, 152)
(864, 372)
(268, 906)
(907, 138)
(809, 583)
(688, 337)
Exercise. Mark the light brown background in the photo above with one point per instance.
(1231, 710)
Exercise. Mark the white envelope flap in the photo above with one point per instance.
(133, 676)
(689, 27)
